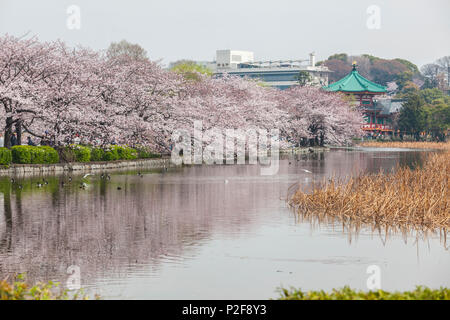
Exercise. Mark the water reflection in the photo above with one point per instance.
(132, 227)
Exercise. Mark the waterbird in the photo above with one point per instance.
(87, 175)
(119, 188)
(226, 181)
(13, 180)
(83, 185)
(307, 171)
(39, 185)
(70, 178)
(20, 186)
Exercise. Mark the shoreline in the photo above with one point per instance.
(36, 169)
(153, 163)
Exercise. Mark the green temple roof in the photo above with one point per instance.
(354, 82)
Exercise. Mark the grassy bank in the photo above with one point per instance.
(420, 293)
(407, 144)
(418, 198)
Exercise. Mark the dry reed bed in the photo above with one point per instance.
(406, 144)
(404, 199)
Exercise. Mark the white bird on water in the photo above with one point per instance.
(307, 171)
(87, 175)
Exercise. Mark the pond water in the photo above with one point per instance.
(205, 232)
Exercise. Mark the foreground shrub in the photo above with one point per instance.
(20, 290)
(5, 156)
(417, 198)
(420, 293)
(34, 155)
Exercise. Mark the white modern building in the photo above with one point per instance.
(281, 74)
(230, 59)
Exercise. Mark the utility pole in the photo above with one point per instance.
(448, 77)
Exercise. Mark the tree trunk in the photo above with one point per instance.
(19, 132)
(8, 131)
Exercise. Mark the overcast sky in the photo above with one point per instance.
(416, 30)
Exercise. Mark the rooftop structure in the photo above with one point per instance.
(356, 83)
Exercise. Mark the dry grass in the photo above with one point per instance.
(407, 198)
(406, 144)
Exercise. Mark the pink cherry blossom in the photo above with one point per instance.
(64, 94)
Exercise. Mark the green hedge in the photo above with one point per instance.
(34, 155)
(146, 154)
(97, 154)
(82, 153)
(78, 153)
(110, 154)
(5, 156)
(126, 153)
(66, 154)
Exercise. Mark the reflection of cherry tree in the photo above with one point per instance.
(60, 93)
(105, 232)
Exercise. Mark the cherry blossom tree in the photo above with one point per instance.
(318, 117)
(65, 95)
(23, 76)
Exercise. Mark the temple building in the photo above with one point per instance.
(378, 112)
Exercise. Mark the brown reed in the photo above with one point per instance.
(402, 199)
(407, 144)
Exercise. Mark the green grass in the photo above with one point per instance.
(346, 293)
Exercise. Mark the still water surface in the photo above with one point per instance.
(205, 232)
